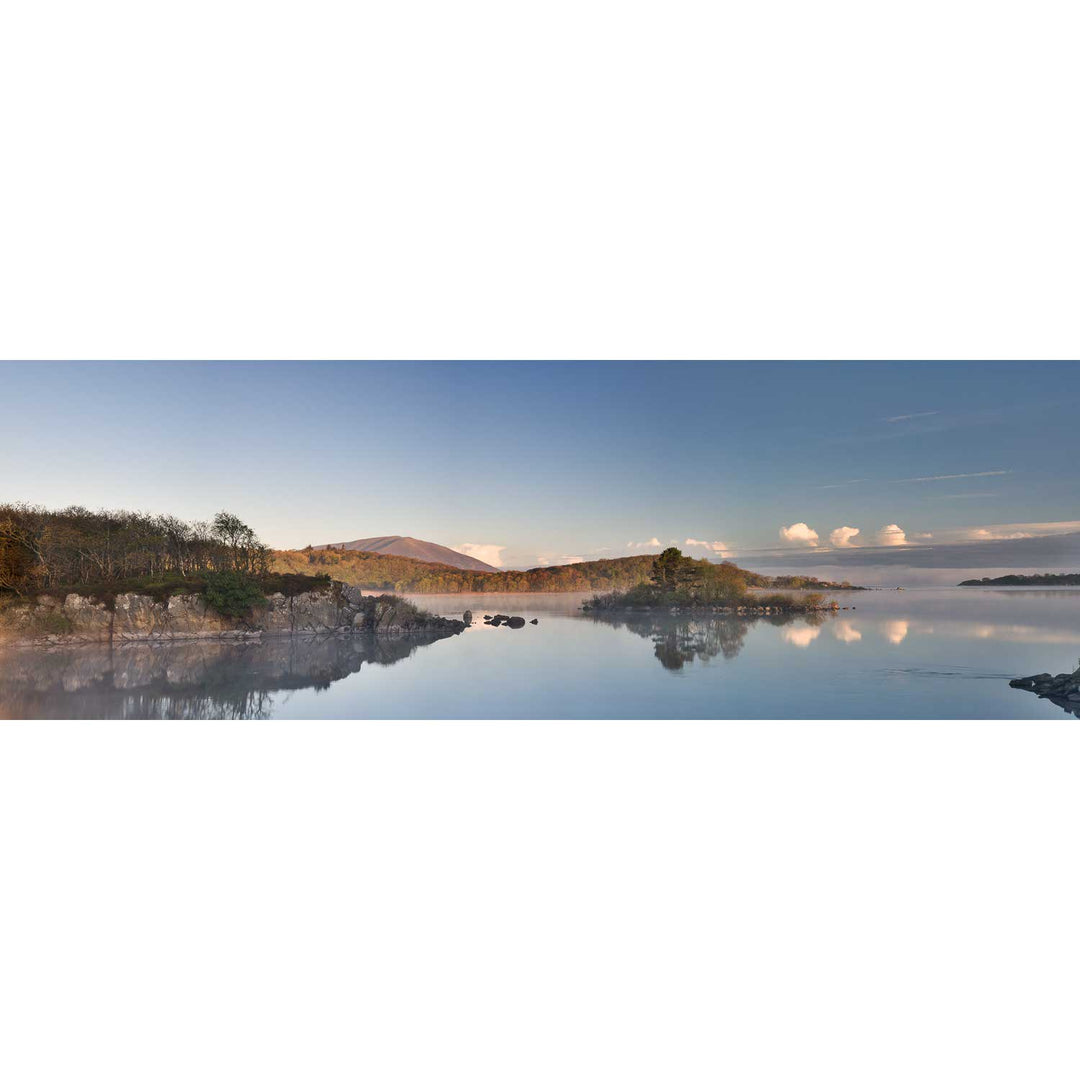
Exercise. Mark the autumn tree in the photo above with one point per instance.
(74, 547)
(673, 573)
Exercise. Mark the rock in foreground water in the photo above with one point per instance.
(514, 622)
(1062, 690)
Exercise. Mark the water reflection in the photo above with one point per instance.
(1071, 707)
(186, 681)
(680, 639)
(932, 654)
(800, 636)
(844, 630)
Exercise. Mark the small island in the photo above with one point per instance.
(679, 583)
(1026, 579)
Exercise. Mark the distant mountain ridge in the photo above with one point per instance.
(411, 548)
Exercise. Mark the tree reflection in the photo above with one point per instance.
(680, 639)
(203, 680)
(677, 645)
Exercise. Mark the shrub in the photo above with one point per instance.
(644, 595)
(784, 601)
(231, 593)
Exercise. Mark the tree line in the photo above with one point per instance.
(44, 549)
(1026, 579)
(372, 570)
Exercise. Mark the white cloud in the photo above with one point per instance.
(799, 533)
(653, 543)
(489, 553)
(716, 546)
(547, 559)
(951, 476)
(922, 536)
(895, 630)
(891, 536)
(1024, 530)
(843, 536)
(907, 416)
(997, 534)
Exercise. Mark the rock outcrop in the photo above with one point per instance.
(514, 622)
(187, 616)
(1063, 690)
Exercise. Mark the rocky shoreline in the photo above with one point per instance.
(1063, 690)
(338, 609)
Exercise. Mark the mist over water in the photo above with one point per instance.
(911, 654)
(193, 680)
(888, 577)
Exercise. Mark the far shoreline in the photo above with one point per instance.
(1044, 581)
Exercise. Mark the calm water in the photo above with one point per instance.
(920, 653)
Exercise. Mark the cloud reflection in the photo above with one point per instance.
(800, 636)
(844, 631)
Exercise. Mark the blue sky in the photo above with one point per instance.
(526, 463)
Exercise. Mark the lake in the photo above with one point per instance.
(918, 653)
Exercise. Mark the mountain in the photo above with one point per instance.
(411, 548)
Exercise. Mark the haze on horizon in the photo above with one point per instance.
(875, 471)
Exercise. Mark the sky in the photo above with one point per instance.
(874, 471)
